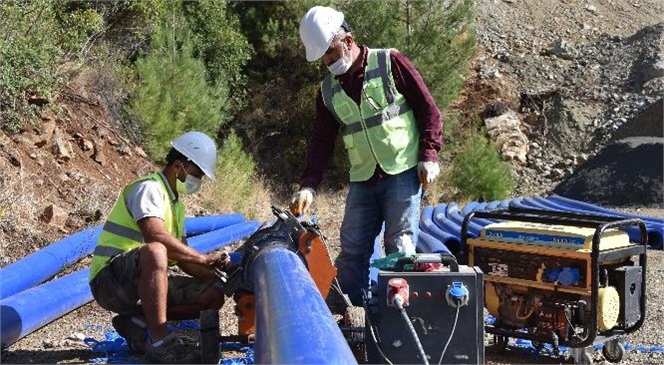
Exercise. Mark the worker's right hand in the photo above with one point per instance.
(301, 200)
(219, 259)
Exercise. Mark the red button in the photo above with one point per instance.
(416, 294)
(427, 295)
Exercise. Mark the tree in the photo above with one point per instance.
(173, 94)
(436, 35)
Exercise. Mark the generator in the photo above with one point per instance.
(561, 278)
(429, 309)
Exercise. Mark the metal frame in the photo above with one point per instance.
(600, 223)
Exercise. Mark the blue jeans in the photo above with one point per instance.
(395, 200)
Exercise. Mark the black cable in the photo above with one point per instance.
(398, 302)
(370, 325)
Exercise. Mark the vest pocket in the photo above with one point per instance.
(397, 134)
(353, 153)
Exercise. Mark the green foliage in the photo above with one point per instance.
(478, 173)
(436, 35)
(29, 57)
(278, 116)
(173, 95)
(236, 186)
(217, 40)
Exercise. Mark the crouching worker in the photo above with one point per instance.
(143, 236)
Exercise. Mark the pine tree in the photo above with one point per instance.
(173, 95)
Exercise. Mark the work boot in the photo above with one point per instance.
(134, 330)
(174, 349)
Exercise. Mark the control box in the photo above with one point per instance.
(444, 307)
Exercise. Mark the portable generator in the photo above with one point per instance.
(429, 309)
(561, 278)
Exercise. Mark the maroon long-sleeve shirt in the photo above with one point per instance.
(326, 127)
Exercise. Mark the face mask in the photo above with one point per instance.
(190, 185)
(341, 66)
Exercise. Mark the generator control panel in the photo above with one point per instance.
(437, 313)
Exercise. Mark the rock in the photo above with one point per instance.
(505, 131)
(626, 173)
(54, 215)
(77, 336)
(45, 133)
(125, 150)
(139, 151)
(61, 148)
(98, 154)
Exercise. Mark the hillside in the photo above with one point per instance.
(574, 74)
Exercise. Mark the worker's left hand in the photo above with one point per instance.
(427, 171)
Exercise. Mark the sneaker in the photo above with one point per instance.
(134, 331)
(174, 349)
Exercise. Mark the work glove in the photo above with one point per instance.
(427, 171)
(301, 200)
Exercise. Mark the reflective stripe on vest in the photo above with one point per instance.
(121, 234)
(382, 129)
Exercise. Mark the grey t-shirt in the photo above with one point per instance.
(146, 199)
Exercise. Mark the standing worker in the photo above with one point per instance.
(392, 132)
(143, 236)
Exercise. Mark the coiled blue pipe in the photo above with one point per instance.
(430, 244)
(428, 226)
(633, 232)
(293, 323)
(29, 310)
(50, 260)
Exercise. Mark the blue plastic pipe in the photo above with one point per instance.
(540, 203)
(29, 310)
(202, 224)
(293, 323)
(453, 213)
(447, 225)
(428, 226)
(430, 244)
(588, 206)
(45, 263)
(41, 265)
(654, 227)
(25, 312)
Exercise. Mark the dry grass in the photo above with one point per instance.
(19, 201)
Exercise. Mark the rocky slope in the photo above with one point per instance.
(573, 72)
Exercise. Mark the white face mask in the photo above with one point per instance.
(190, 185)
(341, 66)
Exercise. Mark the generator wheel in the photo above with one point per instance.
(210, 337)
(355, 318)
(613, 351)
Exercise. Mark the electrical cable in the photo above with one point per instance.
(398, 302)
(371, 329)
(449, 339)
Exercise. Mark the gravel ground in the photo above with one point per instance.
(57, 343)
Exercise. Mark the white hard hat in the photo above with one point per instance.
(200, 149)
(317, 29)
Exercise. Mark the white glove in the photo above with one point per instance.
(427, 171)
(301, 200)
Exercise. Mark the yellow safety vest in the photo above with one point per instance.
(121, 234)
(382, 129)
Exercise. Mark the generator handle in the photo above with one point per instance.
(428, 258)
